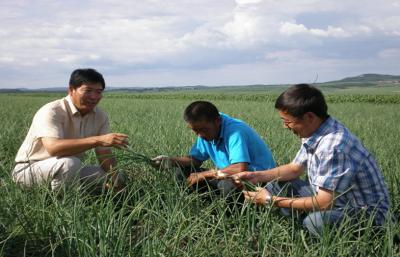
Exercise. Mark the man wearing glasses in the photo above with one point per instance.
(343, 177)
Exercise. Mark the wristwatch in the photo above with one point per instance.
(219, 174)
(268, 198)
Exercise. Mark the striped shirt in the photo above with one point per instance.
(337, 161)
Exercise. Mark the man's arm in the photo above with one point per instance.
(212, 174)
(235, 168)
(185, 161)
(106, 160)
(282, 173)
(68, 147)
(322, 201)
(108, 164)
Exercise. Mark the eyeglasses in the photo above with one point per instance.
(288, 122)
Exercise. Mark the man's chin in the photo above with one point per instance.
(87, 108)
(295, 132)
(90, 106)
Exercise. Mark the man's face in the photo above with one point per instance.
(301, 127)
(86, 97)
(208, 130)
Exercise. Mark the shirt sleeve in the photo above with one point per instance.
(104, 129)
(198, 151)
(238, 148)
(48, 124)
(301, 157)
(335, 171)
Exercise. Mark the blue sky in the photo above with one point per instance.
(197, 42)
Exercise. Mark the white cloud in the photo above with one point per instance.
(70, 58)
(290, 29)
(199, 36)
(6, 60)
(392, 53)
(244, 2)
(389, 25)
(287, 56)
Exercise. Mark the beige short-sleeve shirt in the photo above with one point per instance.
(60, 119)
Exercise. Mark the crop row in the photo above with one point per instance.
(331, 98)
(235, 96)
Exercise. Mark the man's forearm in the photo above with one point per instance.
(108, 164)
(185, 162)
(282, 173)
(68, 147)
(235, 168)
(302, 203)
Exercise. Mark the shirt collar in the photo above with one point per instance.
(312, 142)
(73, 108)
(222, 130)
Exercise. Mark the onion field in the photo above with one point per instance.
(155, 216)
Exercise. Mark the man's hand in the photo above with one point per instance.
(195, 178)
(112, 140)
(260, 197)
(246, 175)
(117, 182)
(162, 162)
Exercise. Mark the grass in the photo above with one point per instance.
(156, 216)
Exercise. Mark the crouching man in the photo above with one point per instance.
(60, 133)
(231, 144)
(343, 177)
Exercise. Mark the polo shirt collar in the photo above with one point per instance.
(73, 108)
(312, 142)
(222, 130)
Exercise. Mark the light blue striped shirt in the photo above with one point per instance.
(337, 161)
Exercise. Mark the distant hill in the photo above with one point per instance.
(371, 78)
(364, 80)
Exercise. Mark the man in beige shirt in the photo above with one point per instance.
(60, 133)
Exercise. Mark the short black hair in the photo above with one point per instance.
(86, 76)
(200, 110)
(300, 99)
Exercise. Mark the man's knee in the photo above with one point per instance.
(317, 221)
(69, 167)
(314, 223)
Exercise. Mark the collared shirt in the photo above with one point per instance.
(237, 143)
(337, 161)
(60, 119)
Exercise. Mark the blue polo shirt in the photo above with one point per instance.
(237, 142)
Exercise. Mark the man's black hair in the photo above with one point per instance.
(199, 111)
(86, 76)
(300, 99)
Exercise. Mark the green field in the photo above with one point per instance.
(158, 218)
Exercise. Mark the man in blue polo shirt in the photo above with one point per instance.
(231, 144)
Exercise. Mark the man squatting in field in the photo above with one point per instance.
(231, 144)
(60, 133)
(343, 177)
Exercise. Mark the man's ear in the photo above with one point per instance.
(310, 117)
